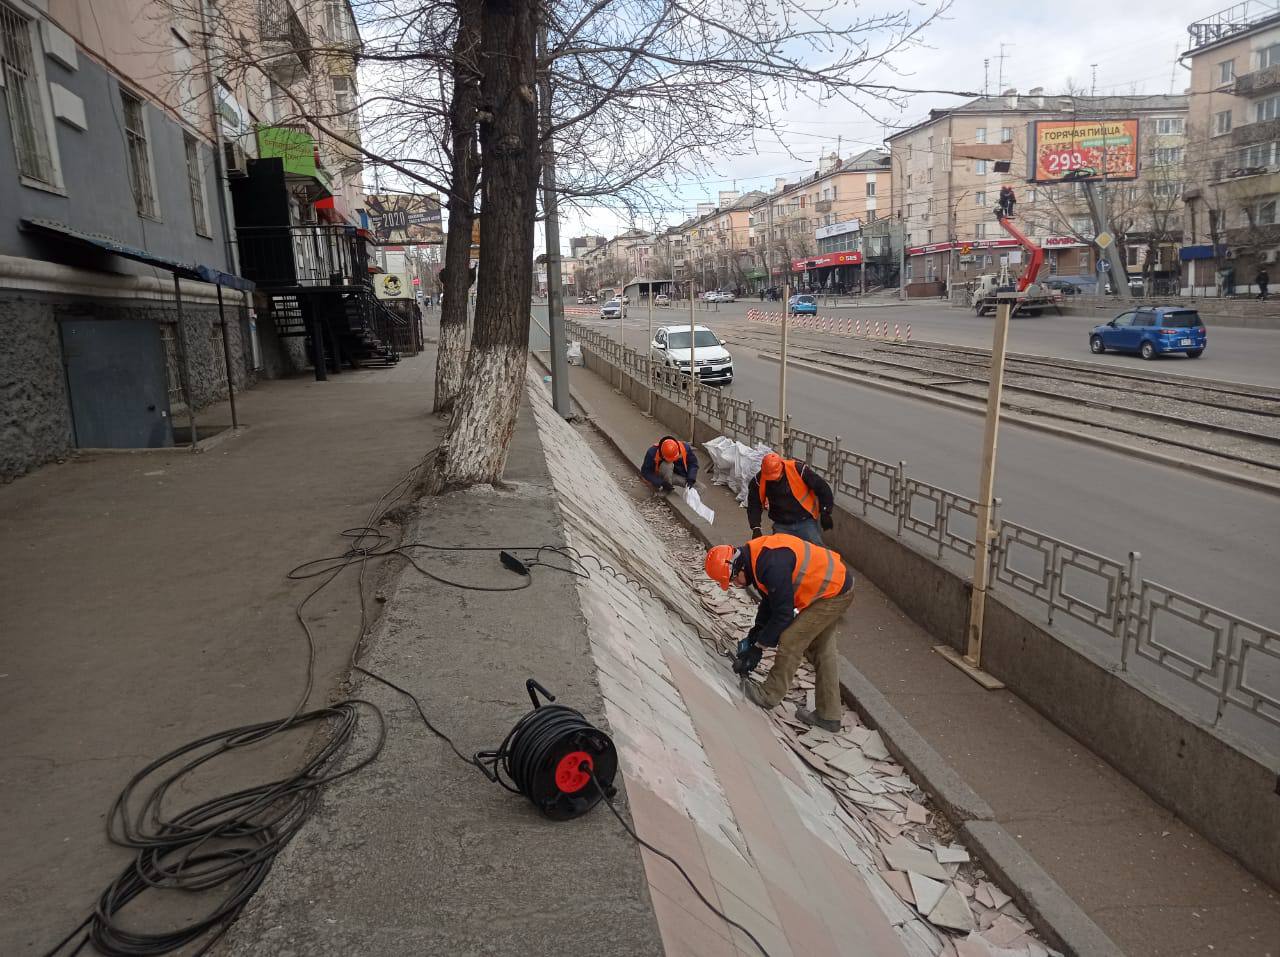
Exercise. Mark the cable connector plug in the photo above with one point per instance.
(514, 564)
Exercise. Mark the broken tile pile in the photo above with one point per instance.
(881, 805)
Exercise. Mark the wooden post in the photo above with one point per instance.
(971, 662)
(782, 370)
(648, 352)
(693, 375)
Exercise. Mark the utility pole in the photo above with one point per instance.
(693, 375)
(782, 370)
(1001, 58)
(550, 209)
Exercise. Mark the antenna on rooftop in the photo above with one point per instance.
(1093, 84)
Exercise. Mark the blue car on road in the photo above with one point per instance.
(803, 305)
(1151, 331)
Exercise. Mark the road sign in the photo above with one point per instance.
(1104, 239)
(1104, 266)
(966, 248)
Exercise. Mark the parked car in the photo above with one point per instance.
(611, 309)
(670, 346)
(582, 300)
(726, 296)
(662, 299)
(589, 298)
(711, 295)
(1152, 331)
(803, 305)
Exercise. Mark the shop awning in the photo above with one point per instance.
(1188, 253)
(297, 150)
(209, 274)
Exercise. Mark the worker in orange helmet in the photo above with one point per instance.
(669, 460)
(805, 590)
(798, 499)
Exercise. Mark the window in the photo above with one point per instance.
(1166, 190)
(344, 95)
(135, 134)
(1269, 56)
(1260, 154)
(980, 231)
(1082, 225)
(980, 135)
(1123, 321)
(1146, 317)
(1006, 134)
(871, 189)
(1226, 71)
(1167, 155)
(928, 175)
(22, 84)
(1029, 196)
(929, 206)
(928, 235)
(980, 167)
(1268, 109)
(980, 198)
(1222, 123)
(1169, 126)
(195, 182)
(1265, 214)
(908, 181)
(1131, 259)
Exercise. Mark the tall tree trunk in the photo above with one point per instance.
(484, 415)
(451, 353)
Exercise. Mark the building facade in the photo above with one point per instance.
(1231, 220)
(125, 126)
(946, 185)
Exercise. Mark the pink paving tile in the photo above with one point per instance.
(669, 829)
(848, 908)
(806, 932)
(685, 934)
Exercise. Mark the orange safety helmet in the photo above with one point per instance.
(669, 449)
(719, 564)
(771, 467)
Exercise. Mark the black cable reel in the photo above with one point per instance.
(555, 757)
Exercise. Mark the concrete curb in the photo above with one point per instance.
(1051, 910)
(1034, 423)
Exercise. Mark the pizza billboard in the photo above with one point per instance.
(1069, 150)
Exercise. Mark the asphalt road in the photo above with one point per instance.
(1210, 539)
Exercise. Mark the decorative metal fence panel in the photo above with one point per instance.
(1215, 651)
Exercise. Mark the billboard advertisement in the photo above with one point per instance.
(403, 218)
(1068, 150)
(392, 285)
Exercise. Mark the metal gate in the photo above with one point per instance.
(117, 382)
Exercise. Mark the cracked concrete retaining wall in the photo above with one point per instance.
(35, 418)
(1230, 797)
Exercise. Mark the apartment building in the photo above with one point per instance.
(946, 184)
(715, 243)
(1231, 220)
(127, 123)
(809, 231)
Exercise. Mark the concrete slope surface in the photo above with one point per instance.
(771, 824)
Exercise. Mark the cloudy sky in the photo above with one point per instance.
(1133, 43)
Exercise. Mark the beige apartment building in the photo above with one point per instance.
(808, 232)
(946, 185)
(1231, 220)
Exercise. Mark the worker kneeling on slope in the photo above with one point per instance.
(669, 461)
(805, 590)
(797, 497)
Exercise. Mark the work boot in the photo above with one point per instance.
(805, 716)
(754, 694)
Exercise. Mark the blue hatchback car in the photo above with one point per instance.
(1151, 331)
(804, 305)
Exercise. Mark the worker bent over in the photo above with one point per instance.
(669, 460)
(805, 590)
(797, 497)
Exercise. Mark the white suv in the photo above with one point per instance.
(670, 346)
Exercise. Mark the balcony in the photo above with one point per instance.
(286, 48)
(1259, 132)
(275, 256)
(1258, 82)
(822, 206)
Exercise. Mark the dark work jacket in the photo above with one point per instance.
(783, 506)
(649, 469)
(774, 568)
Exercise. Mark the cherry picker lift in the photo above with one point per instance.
(1028, 296)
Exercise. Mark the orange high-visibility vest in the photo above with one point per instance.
(803, 494)
(819, 572)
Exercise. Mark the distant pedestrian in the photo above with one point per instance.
(1263, 280)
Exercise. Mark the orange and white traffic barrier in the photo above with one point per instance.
(897, 332)
(908, 330)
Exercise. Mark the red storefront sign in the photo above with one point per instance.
(850, 258)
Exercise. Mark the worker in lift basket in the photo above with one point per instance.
(798, 499)
(669, 461)
(805, 591)
(1007, 200)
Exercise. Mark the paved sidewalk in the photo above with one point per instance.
(1154, 885)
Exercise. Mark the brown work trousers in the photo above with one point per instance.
(811, 635)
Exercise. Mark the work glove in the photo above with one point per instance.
(756, 533)
(690, 483)
(668, 487)
(825, 522)
(747, 656)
